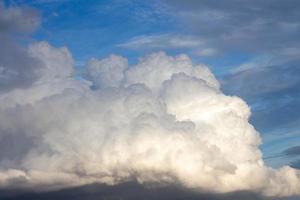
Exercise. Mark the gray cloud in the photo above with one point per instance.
(18, 19)
(273, 91)
(262, 81)
(295, 164)
(17, 67)
(131, 191)
(292, 151)
(242, 24)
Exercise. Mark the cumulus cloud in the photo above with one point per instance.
(107, 72)
(163, 120)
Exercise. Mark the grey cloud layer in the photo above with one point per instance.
(210, 28)
(132, 191)
(245, 25)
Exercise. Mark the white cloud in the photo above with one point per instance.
(165, 41)
(162, 120)
(166, 66)
(197, 45)
(206, 52)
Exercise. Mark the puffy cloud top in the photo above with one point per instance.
(162, 120)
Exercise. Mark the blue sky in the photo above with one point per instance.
(99, 28)
(96, 28)
(253, 48)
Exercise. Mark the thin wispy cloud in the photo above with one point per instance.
(170, 41)
(164, 41)
(243, 25)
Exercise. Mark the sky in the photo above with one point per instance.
(252, 47)
(88, 56)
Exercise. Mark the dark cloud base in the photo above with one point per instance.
(128, 191)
